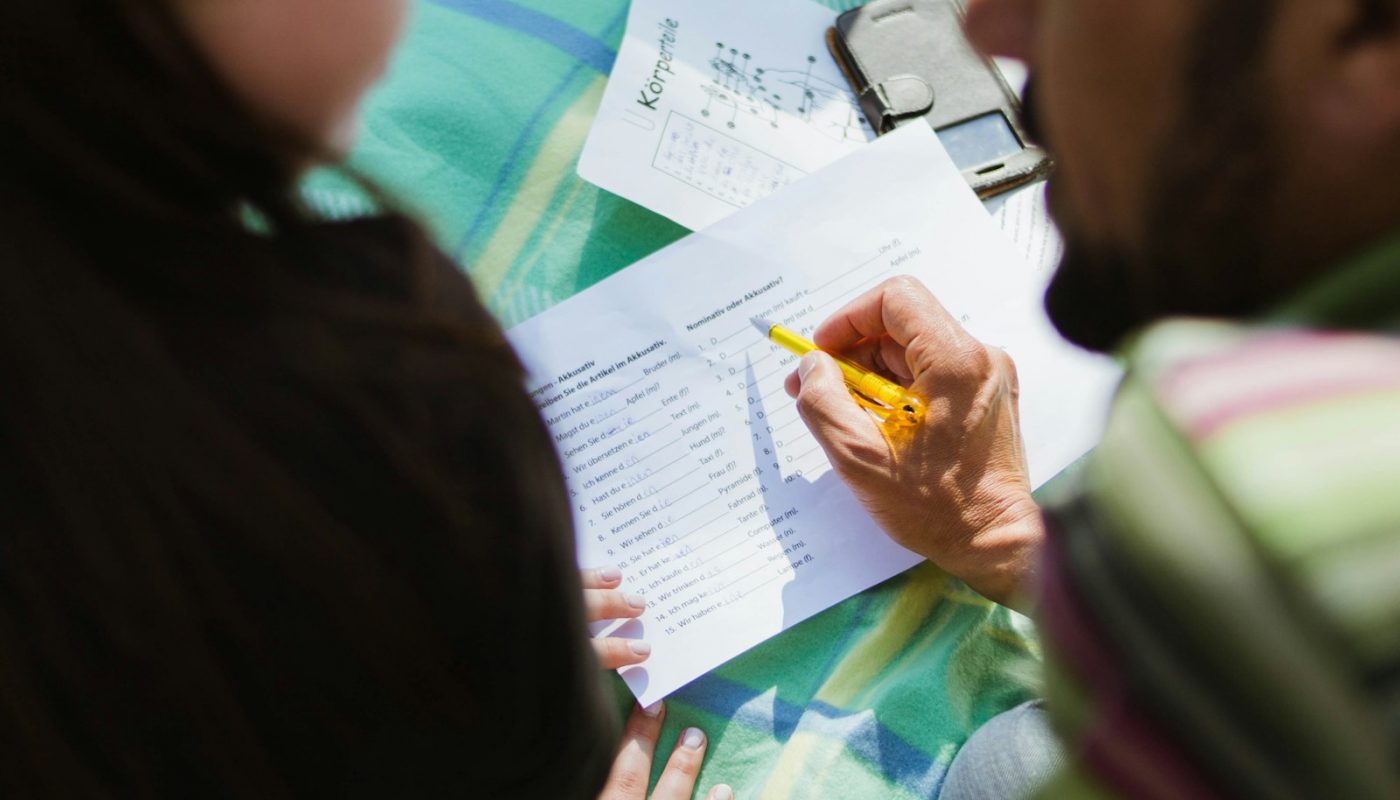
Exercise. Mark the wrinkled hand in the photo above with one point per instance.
(602, 601)
(632, 769)
(955, 489)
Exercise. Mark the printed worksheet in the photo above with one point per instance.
(714, 104)
(688, 464)
(1025, 218)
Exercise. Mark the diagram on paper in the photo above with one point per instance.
(739, 92)
(712, 105)
(719, 164)
(704, 155)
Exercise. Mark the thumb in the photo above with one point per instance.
(826, 406)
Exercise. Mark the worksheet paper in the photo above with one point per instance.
(688, 464)
(1025, 219)
(713, 104)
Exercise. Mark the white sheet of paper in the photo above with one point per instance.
(702, 116)
(1025, 219)
(688, 465)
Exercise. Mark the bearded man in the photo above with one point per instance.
(1218, 585)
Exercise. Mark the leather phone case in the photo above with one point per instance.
(909, 59)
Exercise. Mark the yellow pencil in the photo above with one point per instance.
(893, 402)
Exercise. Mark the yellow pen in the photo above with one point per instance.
(885, 397)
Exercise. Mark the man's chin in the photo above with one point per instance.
(1089, 299)
(1206, 248)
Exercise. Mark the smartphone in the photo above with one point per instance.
(908, 60)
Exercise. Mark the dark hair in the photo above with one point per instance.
(1376, 17)
(278, 517)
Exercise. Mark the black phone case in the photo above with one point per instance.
(909, 60)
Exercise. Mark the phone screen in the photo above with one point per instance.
(980, 140)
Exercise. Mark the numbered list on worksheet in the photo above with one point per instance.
(691, 470)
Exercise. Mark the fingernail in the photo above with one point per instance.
(610, 574)
(636, 601)
(640, 648)
(653, 710)
(806, 365)
(722, 792)
(693, 739)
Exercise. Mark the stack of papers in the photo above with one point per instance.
(688, 465)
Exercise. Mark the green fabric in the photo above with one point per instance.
(478, 129)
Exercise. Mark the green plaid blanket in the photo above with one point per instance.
(478, 129)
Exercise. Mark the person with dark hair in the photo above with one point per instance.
(1216, 585)
(279, 518)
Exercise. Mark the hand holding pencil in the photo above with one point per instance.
(890, 402)
(954, 487)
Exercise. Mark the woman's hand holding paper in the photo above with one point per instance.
(602, 601)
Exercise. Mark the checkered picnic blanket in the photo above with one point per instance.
(478, 129)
